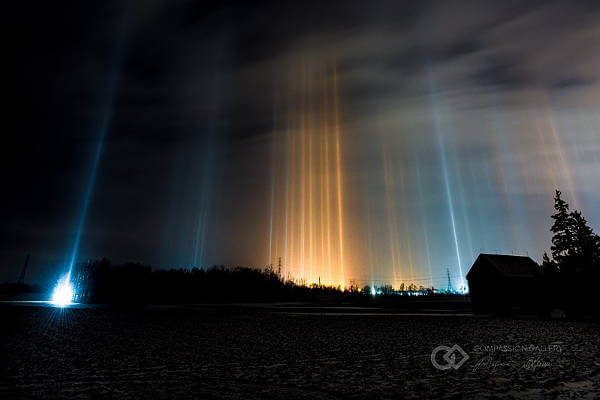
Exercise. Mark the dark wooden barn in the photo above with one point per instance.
(503, 284)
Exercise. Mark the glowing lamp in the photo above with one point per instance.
(63, 293)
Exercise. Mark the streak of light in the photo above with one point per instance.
(308, 216)
(326, 172)
(103, 129)
(392, 220)
(424, 224)
(442, 153)
(338, 174)
(273, 169)
(204, 204)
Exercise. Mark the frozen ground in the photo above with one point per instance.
(289, 352)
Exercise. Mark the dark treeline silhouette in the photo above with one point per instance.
(571, 276)
(102, 282)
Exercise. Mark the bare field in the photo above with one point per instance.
(261, 352)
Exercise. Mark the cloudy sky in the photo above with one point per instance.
(457, 120)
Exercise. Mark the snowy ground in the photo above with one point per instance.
(283, 352)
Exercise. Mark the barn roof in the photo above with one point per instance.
(508, 265)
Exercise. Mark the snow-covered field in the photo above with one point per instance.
(254, 352)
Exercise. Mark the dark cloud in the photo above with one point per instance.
(570, 83)
(496, 72)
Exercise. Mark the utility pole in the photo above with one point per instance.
(23, 271)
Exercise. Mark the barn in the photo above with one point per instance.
(503, 284)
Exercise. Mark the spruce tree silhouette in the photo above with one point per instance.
(562, 229)
(586, 246)
(574, 270)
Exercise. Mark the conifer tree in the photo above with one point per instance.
(562, 229)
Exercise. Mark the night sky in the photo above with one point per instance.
(359, 141)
